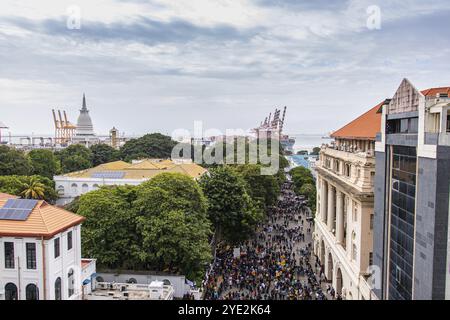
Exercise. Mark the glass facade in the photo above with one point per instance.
(403, 191)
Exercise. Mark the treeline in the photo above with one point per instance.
(305, 185)
(76, 157)
(167, 223)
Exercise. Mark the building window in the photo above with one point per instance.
(31, 292)
(355, 211)
(371, 222)
(57, 247)
(9, 255)
(84, 188)
(58, 291)
(74, 188)
(370, 258)
(347, 170)
(11, 291)
(448, 122)
(60, 190)
(70, 282)
(69, 240)
(31, 255)
(354, 252)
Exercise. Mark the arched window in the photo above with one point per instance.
(167, 282)
(31, 292)
(11, 291)
(99, 279)
(132, 280)
(95, 187)
(70, 281)
(60, 190)
(84, 188)
(58, 292)
(74, 188)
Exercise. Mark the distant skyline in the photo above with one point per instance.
(159, 65)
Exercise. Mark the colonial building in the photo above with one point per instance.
(72, 185)
(345, 197)
(40, 251)
(412, 187)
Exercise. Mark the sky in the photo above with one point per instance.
(159, 65)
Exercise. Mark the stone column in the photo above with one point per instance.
(331, 212)
(323, 200)
(340, 217)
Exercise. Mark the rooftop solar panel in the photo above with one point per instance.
(17, 209)
(108, 175)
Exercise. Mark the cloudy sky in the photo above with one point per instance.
(159, 65)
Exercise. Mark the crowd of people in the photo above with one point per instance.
(276, 264)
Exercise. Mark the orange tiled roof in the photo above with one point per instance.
(365, 126)
(5, 196)
(433, 91)
(44, 221)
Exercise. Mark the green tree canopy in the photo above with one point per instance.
(44, 163)
(109, 232)
(103, 153)
(74, 158)
(161, 225)
(13, 162)
(315, 151)
(16, 185)
(231, 209)
(153, 145)
(263, 189)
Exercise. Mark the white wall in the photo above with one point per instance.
(54, 267)
(73, 187)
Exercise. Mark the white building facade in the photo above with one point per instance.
(40, 257)
(343, 224)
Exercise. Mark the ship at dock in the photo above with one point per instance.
(272, 127)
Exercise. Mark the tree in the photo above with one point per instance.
(231, 209)
(310, 192)
(13, 162)
(315, 151)
(44, 163)
(33, 189)
(74, 158)
(153, 145)
(161, 225)
(16, 185)
(103, 153)
(109, 232)
(185, 192)
(304, 184)
(263, 189)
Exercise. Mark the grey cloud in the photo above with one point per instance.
(141, 29)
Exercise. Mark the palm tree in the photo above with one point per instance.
(33, 189)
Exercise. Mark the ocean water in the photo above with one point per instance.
(308, 142)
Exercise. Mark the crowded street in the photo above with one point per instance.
(277, 264)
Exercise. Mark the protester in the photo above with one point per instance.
(276, 264)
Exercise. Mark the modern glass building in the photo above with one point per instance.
(412, 184)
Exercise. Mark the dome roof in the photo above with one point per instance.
(84, 123)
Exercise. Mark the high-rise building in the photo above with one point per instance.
(412, 187)
(343, 224)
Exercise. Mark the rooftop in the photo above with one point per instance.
(43, 221)
(365, 126)
(139, 170)
(368, 125)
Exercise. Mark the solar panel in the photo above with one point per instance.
(17, 209)
(108, 175)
